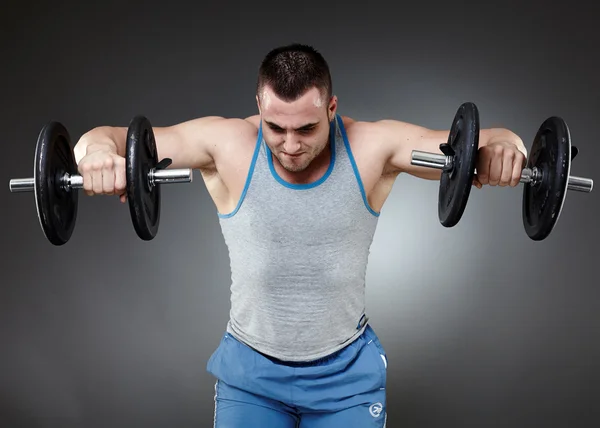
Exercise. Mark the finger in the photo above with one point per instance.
(496, 166)
(85, 172)
(483, 168)
(507, 168)
(97, 178)
(517, 170)
(476, 183)
(120, 180)
(489, 168)
(123, 198)
(108, 177)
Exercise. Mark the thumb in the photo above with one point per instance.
(476, 183)
(123, 198)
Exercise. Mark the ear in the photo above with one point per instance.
(258, 104)
(332, 108)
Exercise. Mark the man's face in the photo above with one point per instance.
(298, 131)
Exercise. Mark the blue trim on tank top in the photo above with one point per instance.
(248, 177)
(308, 185)
(354, 167)
(259, 142)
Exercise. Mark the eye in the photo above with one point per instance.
(276, 129)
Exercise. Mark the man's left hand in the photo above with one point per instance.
(499, 163)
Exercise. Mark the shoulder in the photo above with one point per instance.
(383, 131)
(253, 120)
(362, 132)
(211, 126)
(236, 126)
(353, 127)
(389, 141)
(236, 129)
(220, 132)
(223, 136)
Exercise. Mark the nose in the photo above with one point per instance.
(291, 145)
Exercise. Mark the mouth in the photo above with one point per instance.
(294, 156)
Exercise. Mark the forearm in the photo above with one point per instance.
(501, 135)
(101, 138)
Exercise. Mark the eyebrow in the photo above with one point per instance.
(303, 127)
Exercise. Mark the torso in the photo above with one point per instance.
(225, 183)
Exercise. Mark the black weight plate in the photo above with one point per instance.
(455, 184)
(551, 154)
(56, 207)
(141, 157)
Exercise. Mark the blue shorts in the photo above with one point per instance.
(345, 389)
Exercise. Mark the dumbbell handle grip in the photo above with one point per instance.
(160, 176)
(439, 161)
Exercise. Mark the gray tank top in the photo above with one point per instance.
(298, 256)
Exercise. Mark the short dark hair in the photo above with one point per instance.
(293, 69)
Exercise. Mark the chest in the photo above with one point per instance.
(229, 184)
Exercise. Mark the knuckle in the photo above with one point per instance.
(108, 163)
(96, 165)
(84, 167)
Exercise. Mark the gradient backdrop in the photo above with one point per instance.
(483, 327)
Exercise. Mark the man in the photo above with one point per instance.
(298, 189)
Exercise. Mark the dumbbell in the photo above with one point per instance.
(55, 180)
(546, 176)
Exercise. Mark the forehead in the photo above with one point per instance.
(308, 108)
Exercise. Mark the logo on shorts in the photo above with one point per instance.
(376, 409)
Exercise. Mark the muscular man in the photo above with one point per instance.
(298, 190)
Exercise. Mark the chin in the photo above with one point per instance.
(293, 166)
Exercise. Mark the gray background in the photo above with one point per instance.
(483, 327)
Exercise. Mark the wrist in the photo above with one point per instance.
(506, 136)
(100, 146)
(93, 141)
